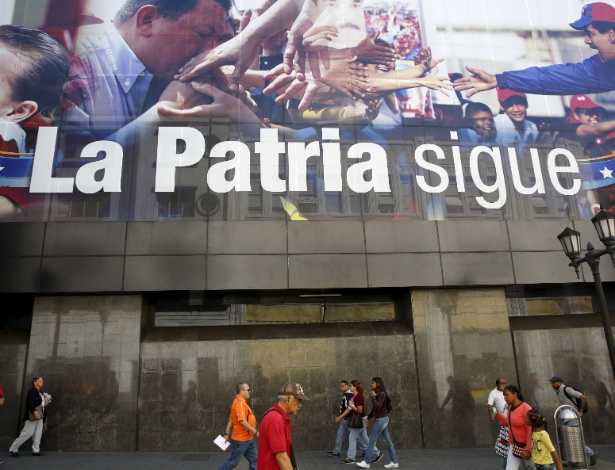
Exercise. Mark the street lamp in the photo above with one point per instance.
(604, 223)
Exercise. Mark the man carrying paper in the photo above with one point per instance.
(243, 423)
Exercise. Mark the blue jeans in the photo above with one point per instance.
(551, 466)
(339, 437)
(358, 436)
(380, 428)
(246, 449)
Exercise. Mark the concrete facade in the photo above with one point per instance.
(120, 384)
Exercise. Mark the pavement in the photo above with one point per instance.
(432, 459)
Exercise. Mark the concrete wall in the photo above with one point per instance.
(463, 344)
(86, 257)
(119, 387)
(13, 352)
(87, 350)
(549, 347)
(188, 379)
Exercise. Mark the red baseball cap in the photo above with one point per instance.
(582, 101)
(505, 94)
(598, 11)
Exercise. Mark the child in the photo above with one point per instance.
(543, 452)
(33, 71)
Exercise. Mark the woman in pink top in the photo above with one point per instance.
(518, 431)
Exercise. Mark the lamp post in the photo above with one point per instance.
(604, 223)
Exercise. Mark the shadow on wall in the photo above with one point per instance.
(188, 379)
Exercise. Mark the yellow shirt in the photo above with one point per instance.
(542, 448)
(240, 410)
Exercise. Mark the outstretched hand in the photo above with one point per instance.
(479, 81)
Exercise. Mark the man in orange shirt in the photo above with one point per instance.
(243, 423)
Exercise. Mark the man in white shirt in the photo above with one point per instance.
(496, 398)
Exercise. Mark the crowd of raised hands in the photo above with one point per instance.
(327, 54)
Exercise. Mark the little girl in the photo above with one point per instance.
(543, 452)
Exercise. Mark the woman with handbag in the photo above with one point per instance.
(381, 407)
(34, 417)
(519, 433)
(356, 423)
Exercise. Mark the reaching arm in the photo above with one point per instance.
(601, 128)
(243, 48)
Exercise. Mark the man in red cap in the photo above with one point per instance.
(593, 75)
(513, 129)
(275, 445)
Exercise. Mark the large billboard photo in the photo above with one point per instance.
(135, 110)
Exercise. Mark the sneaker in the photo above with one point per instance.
(38, 454)
(348, 461)
(14, 454)
(391, 465)
(379, 458)
(362, 464)
(593, 460)
(333, 454)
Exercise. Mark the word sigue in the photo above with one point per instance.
(297, 153)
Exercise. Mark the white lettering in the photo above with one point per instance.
(167, 158)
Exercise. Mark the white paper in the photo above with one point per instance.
(220, 442)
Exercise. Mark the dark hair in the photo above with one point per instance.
(514, 389)
(34, 379)
(380, 388)
(358, 385)
(43, 66)
(239, 387)
(474, 108)
(169, 9)
(345, 382)
(603, 27)
(537, 419)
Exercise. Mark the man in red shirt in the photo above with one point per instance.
(275, 450)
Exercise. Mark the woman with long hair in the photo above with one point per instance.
(519, 432)
(357, 405)
(381, 407)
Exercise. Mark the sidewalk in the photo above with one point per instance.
(432, 459)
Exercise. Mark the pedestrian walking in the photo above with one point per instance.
(275, 444)
(519, 432)
(242, 423)
(543, 452)
(342, 430)
(381, 407)
(496, 400)
(358, 436)
(569, 396)
(34, 417)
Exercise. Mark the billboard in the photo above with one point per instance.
(141, 110)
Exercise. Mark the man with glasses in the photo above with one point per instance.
(243, 424)
(275, 446)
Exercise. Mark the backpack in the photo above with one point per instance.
(576, 401)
